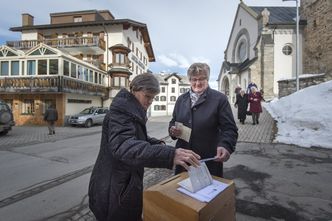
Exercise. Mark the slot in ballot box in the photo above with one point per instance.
(163, 202)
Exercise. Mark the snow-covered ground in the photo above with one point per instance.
(305, 117)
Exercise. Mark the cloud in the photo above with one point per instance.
(167, 61)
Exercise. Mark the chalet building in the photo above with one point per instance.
(261, 49)
(172, 85)
(80, 59)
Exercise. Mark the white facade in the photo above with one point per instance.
(261, 49)
(171, 87)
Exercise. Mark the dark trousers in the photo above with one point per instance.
(255, 118)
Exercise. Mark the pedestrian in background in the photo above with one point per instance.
(208, 113)
(255, 99)
(250, 85)
(241, 104)
(116, 183)
(51, 115)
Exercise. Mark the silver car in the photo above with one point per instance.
(89, 116)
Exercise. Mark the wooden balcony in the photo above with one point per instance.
(73, 45)
(50, 84)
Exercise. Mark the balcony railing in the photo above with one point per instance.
(99, 64)
(68, 42)
(55, 84)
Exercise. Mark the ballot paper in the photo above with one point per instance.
(208, 193)
(199, 177)
(186, 131)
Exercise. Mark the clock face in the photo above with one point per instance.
(242, 51)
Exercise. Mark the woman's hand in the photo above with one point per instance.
(185, 158)
(222, 154)
(175, 132)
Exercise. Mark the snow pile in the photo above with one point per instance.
(305, 117)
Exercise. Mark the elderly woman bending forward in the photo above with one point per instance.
(208, 113)
(116, 184)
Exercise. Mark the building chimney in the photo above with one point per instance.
(27, 19)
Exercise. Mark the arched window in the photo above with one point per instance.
(163, 98)
(173, 98)
(242, 51)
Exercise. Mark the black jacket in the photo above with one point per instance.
(242, 105)
(212, 123)
(116, 183)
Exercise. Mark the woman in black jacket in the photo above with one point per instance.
(208, 113)
(116, 183)
(242, 105)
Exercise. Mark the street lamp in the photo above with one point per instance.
(297, 45)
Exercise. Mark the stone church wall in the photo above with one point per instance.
(317, 55)
(287, 87)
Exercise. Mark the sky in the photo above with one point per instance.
(181, 31)
(304, 117)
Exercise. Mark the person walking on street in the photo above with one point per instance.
(51, 115)
(116, 183)
(241, 104)
(208, 114)
(255, 99)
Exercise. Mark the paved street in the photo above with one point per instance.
(273, 181)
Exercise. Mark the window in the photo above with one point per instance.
(287, 50)
(116, 81)
(4, 68)
(73, 70)
(86, 74)
(28, 106)
(15, 68)
(31, 67)
(242, 51)
(182, 90)
(78, 19)
(173, 81)
(42, 67)
(156, 98)
(23, 68)
(122, 81)
(162, 98)
(96, 77)
(119, 58)
(162, 107)
(156, 107)
(173, 89)
(53, 68)
(173, 98)
(163, 89)
(66, 68)
(91, 76)
(79, 72)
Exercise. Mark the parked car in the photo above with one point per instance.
(6, 118)
(89, 116)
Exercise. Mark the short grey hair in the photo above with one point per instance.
(197, 69)
(145, 82)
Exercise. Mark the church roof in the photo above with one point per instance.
(278, 15)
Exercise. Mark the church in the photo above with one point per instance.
(261, 49)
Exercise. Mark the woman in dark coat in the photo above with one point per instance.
(208, 113)
(255, 99)
(242, 105)
(116, 183)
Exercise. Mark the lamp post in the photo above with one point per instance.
(297, 45)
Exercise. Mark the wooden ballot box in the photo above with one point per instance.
(163, 202)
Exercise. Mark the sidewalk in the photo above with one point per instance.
(27, 135)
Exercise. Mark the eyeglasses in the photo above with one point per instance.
(194, 80)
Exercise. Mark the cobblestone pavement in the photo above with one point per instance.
(25, 135)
